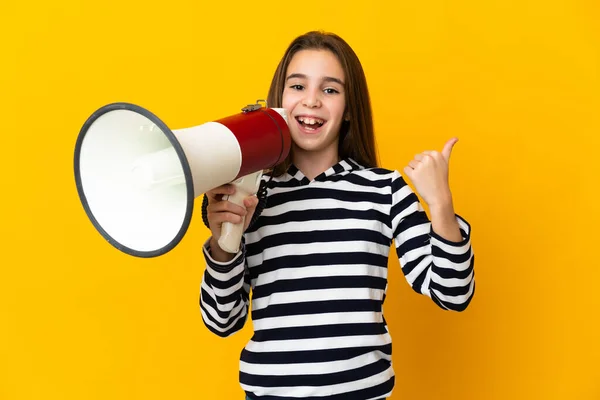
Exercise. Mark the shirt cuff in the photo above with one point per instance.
(220, 266)
(465, 231)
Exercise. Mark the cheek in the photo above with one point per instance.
(337, 108)
(287, 100)
(341, 109)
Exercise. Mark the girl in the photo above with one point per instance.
(315, 256)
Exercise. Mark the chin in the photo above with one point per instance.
(310, 146)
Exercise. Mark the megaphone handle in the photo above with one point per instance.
(231, 234)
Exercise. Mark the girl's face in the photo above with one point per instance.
(314, 99)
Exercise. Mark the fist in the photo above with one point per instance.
(220, 211)
(428, 172)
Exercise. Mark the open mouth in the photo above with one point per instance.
(310, 123)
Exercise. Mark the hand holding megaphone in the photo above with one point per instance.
(229, 212)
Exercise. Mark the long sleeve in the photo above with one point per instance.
(433, 266)
(224, 293)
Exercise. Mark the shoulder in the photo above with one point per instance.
(391, 181)
(378, 174)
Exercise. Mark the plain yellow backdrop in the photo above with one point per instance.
(517, 81)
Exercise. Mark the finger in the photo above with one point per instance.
(431, 153)
(408, 172)
(214, 197)
(414, 164)
(250, 202)
(226, 206)
(217, 193)
(220, 218)
(427, 156)
(448, 148)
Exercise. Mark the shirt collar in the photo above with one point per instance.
(343, 167)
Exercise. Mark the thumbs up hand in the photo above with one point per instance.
(428, 171)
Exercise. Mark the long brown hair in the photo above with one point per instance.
(357, 139)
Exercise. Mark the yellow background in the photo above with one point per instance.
(517, 81)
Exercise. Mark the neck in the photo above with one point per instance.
(312, 163)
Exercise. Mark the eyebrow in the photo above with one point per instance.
(325, 79)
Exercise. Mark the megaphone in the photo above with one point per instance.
(137, 179)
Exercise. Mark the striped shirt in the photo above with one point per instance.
(316, 262)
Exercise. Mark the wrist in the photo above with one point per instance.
(444, 222)
(443, 205)
(217, 253)
(443, 211)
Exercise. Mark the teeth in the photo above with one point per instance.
(311, 121)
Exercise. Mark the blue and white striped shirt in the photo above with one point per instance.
(316, 263)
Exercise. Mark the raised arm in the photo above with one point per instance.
(436, 255)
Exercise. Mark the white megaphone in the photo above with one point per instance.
(137, 180)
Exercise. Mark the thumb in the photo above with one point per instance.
(448, 148)
(250, 203)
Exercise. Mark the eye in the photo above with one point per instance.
(331, 91)
(297, 87)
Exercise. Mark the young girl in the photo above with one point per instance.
(316, 254)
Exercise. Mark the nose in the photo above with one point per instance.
(311, 99)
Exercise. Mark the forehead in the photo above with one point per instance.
(316, 64)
